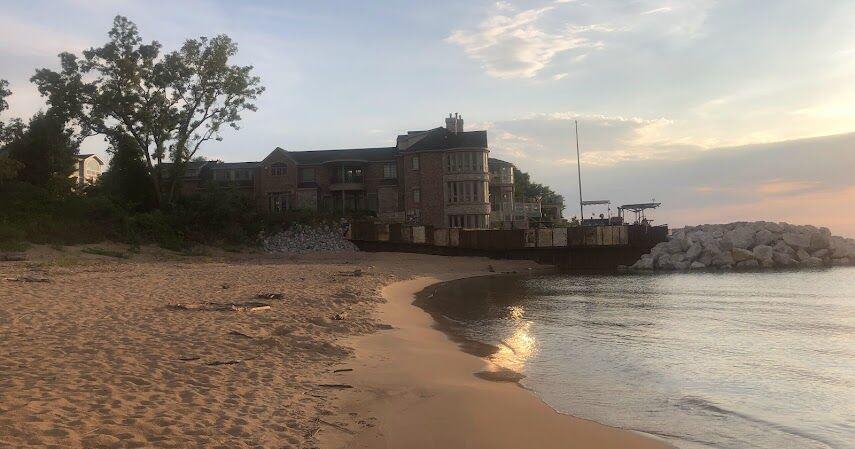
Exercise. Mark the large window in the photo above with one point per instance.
(307, 175)
(466, 162)
(390, 171)
(467, 221)
(465, 192)
(278, 169)
(417, 196)
(415, 162)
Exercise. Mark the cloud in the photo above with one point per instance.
(518, 46)
(657, 10)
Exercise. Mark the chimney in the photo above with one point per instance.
(455, 123)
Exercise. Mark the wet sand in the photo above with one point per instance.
(420, 389)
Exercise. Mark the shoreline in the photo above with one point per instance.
(398, 389)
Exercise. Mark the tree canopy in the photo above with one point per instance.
(45, 151)
(167, 105)
(525, 188)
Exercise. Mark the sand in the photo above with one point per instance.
(97, 358)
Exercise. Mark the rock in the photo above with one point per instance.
(742, 237)
(682, 265)
(762, 252)
(694, 251)
(819, 241)
(750, 263)
(812, 262)
(783, 259)
(840, 262)
(802, 255)
(773, 227)
(677, 258)
(740, 255)
(723, 260)
(664, 262)
(697, 266)
(797, 240)
(300, 239)
(782, 247)
(675, 245)
(764, 237)
(645, 263)
(821, 253)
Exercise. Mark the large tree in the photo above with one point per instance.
(46, 151)
(169, 105)
(525, 188)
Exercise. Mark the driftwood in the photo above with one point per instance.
(342, 370)
(188, 359)
(224, 362)
(342, 428)
(341, 386)
(240, 334)
(270, 295)
(28, 278)
(222, 307)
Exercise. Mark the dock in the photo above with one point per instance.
(570, 248)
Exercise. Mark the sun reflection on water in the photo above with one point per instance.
(516, 348)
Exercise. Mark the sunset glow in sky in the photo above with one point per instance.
(721, 110)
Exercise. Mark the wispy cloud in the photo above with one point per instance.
(518, 46)
(657, 10)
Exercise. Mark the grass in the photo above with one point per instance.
(104, 252)
(13, 246)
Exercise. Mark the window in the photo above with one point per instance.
(277, 202)
(350, 174)
(415, 162)
(465, 161)
(307, 175)
(466, 192)
(467, 221)
(278, 169)
(390, 171)
(417, 196)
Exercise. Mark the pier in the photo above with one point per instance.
(571, 248)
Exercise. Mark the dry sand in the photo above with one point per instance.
(96, 358)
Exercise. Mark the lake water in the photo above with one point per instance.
(704, 360)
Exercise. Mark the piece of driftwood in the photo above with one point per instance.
(188, 359)
(270, 295)
(28, 278)
(240, 334)
(222, 307)
(224, 362)
(343, 429)
(342, 370)
(341, 386)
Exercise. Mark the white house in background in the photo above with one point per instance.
(87, 170)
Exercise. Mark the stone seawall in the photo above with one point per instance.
(748, 245)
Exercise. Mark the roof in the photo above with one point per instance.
(640, 207)
(443, 139)
(82, 157)
(233, 165)
(493, 160)
(352, 154)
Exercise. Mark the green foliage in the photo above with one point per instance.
(524, 188)
(45, 151)
(168, 105)
(104, 252)
(126, 180)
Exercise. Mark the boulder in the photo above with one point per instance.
(740, 255)
(682, 265)
(773, 227)
(675, 245)
(741, 237)
(694, 251)
(762, 252)
(677, 258)
(782, 247)
(819, 241)
(821, 253)
(723, 260)
(645, 263)
(698, 266)
(797, 240)
(802, 255)
(783, 259)
(812, 262)
(750, 263)
(764, 237)
(841, 262)
(664, 262)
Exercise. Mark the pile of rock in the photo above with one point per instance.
(749, 245)
(301, 239)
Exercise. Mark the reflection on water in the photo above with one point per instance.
(735, 360)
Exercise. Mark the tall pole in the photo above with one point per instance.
(579, 169)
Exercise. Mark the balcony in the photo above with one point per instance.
(501, 179)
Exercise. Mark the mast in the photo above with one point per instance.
(579, 169)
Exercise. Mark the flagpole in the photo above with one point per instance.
(579, 169)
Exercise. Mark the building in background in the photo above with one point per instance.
(87, 169)
(438, 177)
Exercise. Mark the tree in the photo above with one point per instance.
(169, 105)
(126, 178)
(46, 151)
(523, 187)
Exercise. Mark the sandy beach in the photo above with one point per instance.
(99, 356)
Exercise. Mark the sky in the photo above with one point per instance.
(721, 110)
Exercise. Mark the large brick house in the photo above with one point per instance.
(438, 177)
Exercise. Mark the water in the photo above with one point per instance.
(706, 360)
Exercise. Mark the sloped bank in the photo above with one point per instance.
(746, 245)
